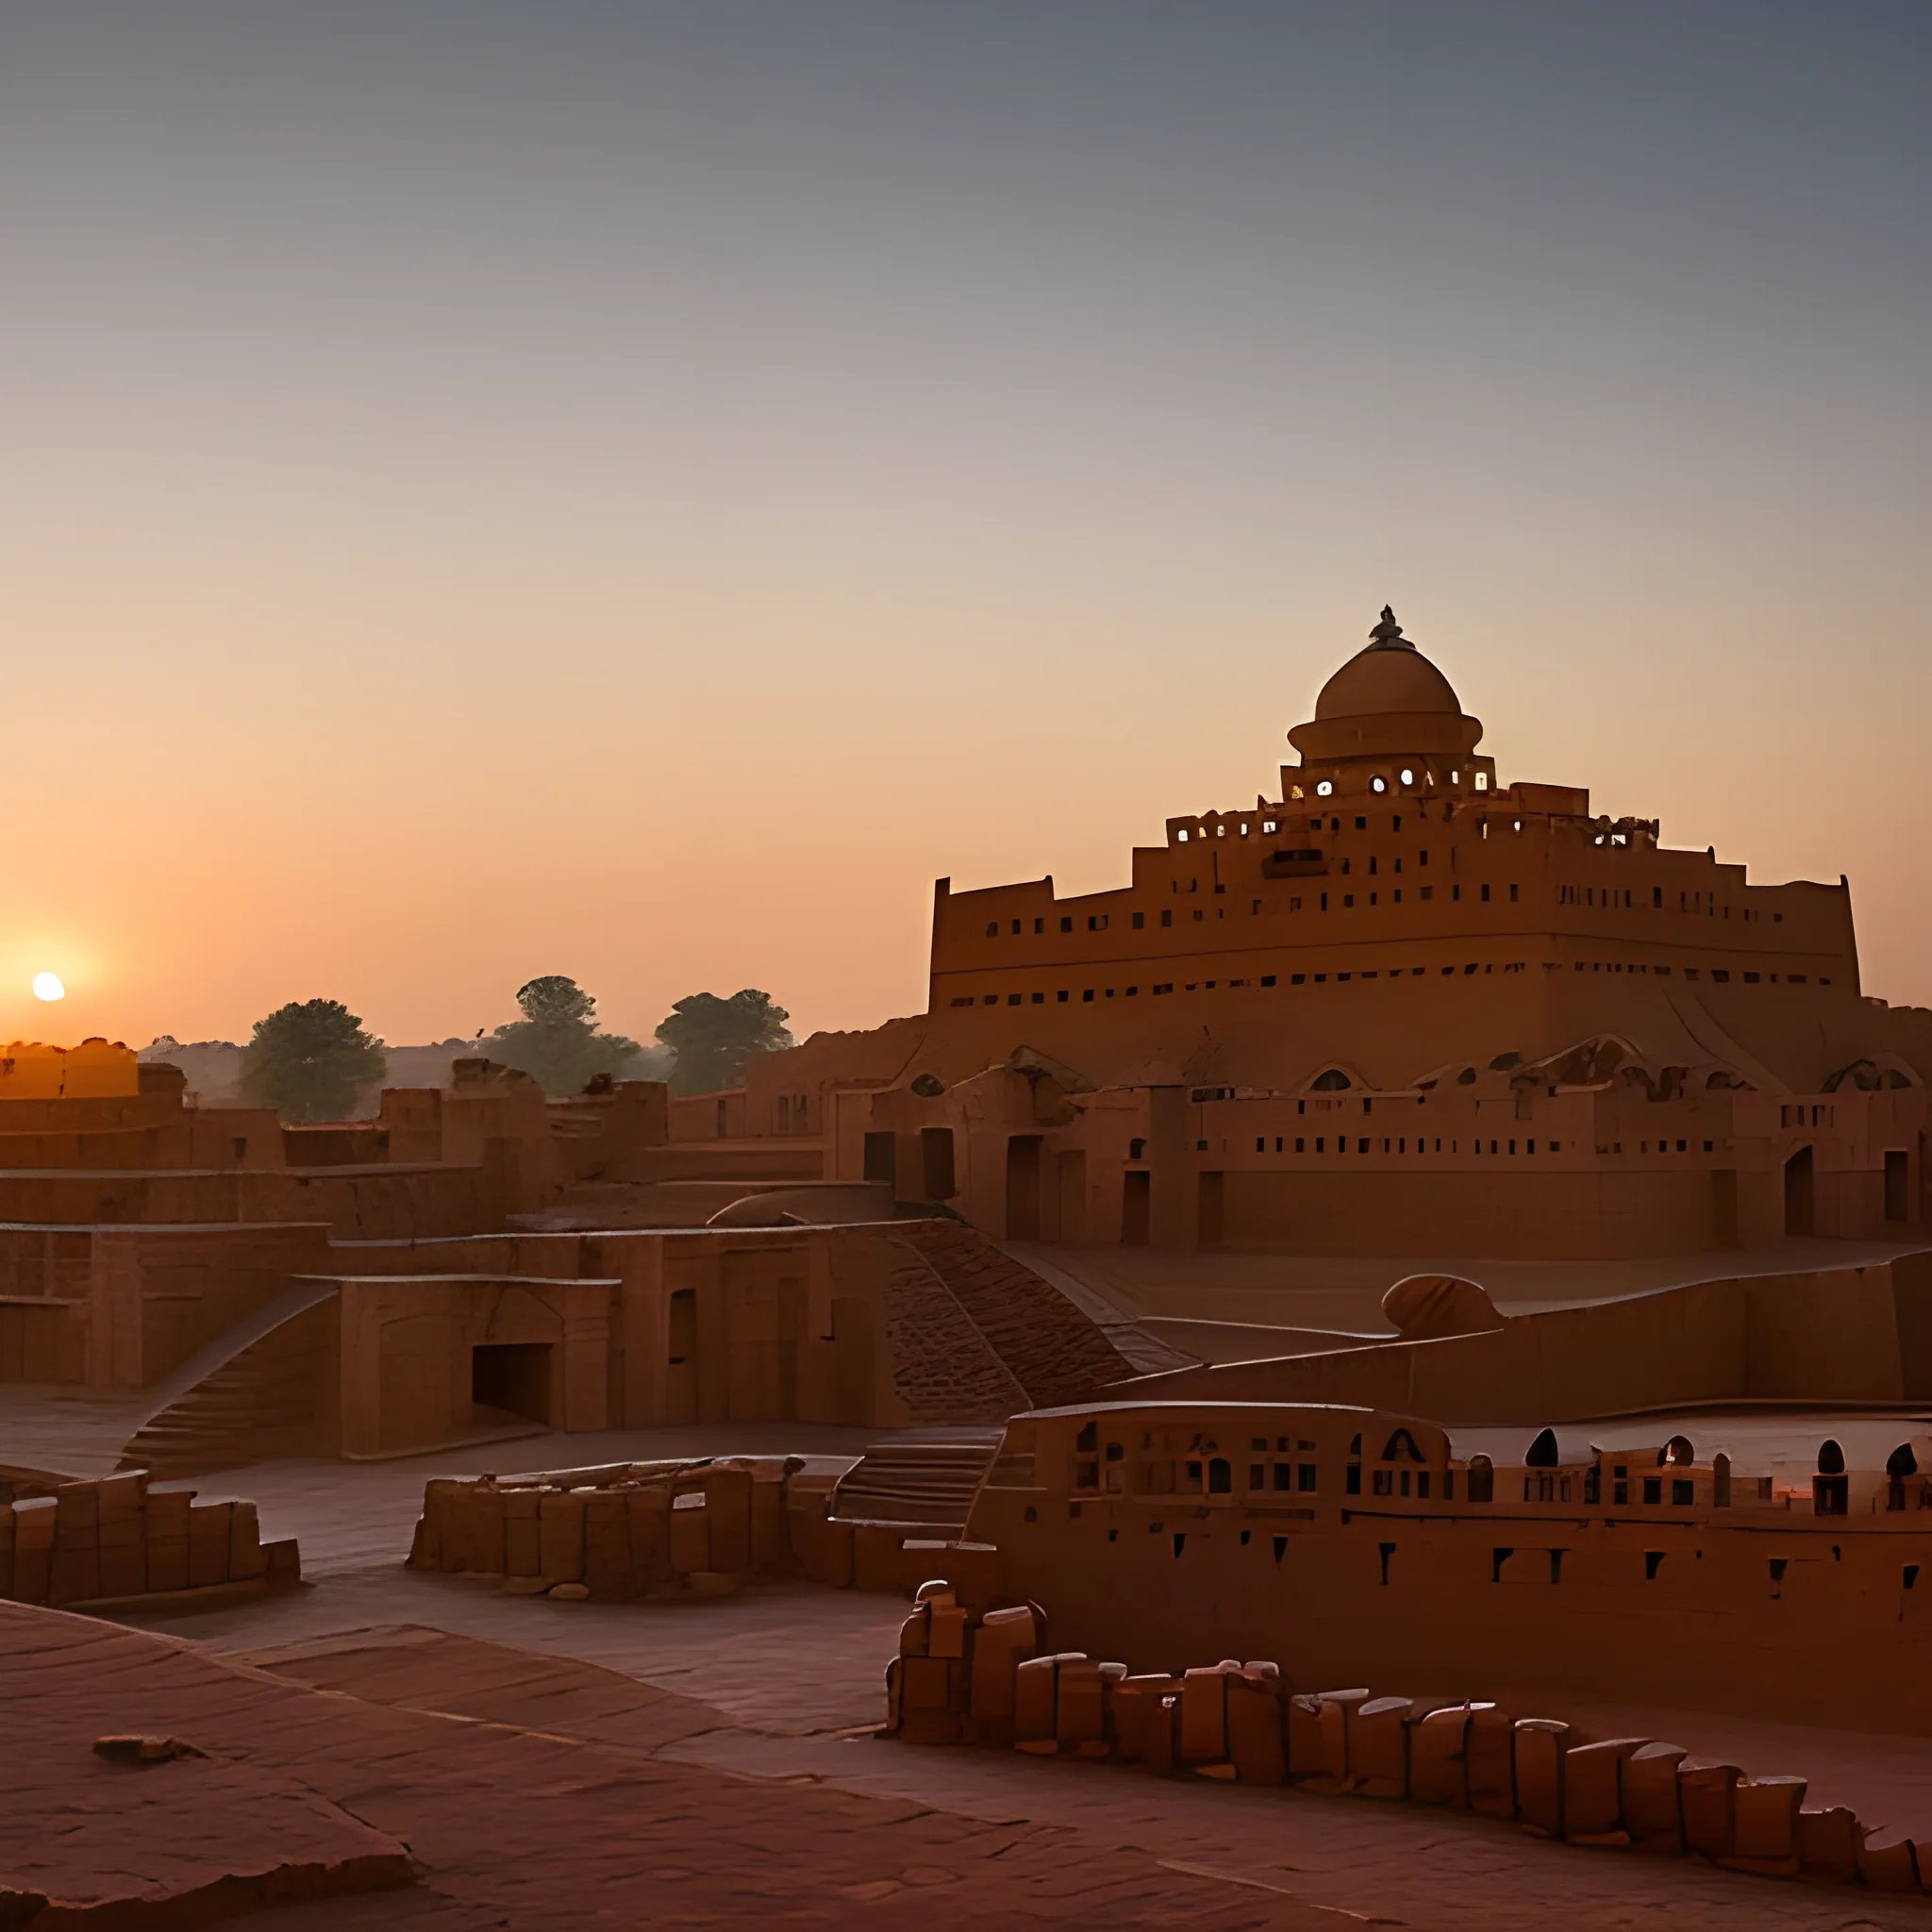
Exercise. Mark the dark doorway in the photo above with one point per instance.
(936, 1158)
(1799, 1178)
(1901, 1463)
(681, 1356)
(1210, 1221)
(1830, 1487)
(882, 1158)
(1895, 1173)
(513, 1376)
(1137, 1207)
(1022, 1187)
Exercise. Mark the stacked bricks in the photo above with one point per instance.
(118, 1542)
(625, 1529)
(960, 1678)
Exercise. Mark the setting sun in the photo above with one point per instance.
(47, 986)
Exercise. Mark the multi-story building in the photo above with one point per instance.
(1401, 1007)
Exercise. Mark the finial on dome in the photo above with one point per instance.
(1387, 634)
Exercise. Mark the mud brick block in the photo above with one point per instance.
(122, 1499)
(607, 1567)
(1490, 1758)
(523, 1533)
(1829, 1838)
(690, 1541)
(1379, 1747)
(75, 1576)
(1318, 1737)
(1307, 1750)
(435, 1545)
(1004, 1639)
(1438, 1756)
(946, 1630)
(649, 1510)
(210, 1528)
(929, 1683)
(1541, 1744)
(33, 1549)
(1257, 1741)
(728, 1501)
(771, 1543)
(561, 1536)
(77, 1516)
(1888, 1861)
(1204, 1716)
(167, 1538)
(1135, 1704)
(1707, 1792)
(284, 1560)
(915, 1633)
(1080, 1703)
(481, 1513)
(1593, 1791)
(1035, 1700)
(124, 1563)
(245, 1559)
(1653, 1812)
(1765, 1839)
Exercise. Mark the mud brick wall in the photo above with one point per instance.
(117, 1538)
(964, 1678)
(628, 1529)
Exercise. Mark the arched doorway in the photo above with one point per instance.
(1900, 1464)
(1799, 1180)
(1830, 1487)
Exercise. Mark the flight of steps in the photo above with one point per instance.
(266, 1401)
(923, 1480)
(1053, 1352)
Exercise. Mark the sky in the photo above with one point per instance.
(638, 491)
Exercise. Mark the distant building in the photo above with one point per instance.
(1403, 1007)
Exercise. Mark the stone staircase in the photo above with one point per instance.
(1048, 1349)
(269, 1398)
(922, 1480)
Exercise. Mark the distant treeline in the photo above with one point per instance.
(312, 1059)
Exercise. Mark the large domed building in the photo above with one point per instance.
(1400, 1007)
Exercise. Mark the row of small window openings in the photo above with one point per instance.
(1325, 789)
(1397, 1144)
(1720, 975)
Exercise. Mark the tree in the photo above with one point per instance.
(557, 1042)
(714, 1037)
(312, 1061)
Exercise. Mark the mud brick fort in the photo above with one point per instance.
(1422, 1294)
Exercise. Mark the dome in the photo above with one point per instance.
(1388, 699)
(1386, 678)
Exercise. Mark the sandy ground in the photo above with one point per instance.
(792, 1672)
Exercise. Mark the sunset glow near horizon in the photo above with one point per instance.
(638, 492)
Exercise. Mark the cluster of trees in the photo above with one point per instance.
(312, 1061)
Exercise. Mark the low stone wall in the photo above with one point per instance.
(118, 1542)
(697, 1526)
(962, 1678)
(625, 1529)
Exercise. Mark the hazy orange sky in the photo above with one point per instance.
(637, 490)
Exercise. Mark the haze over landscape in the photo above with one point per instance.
(637, 491)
